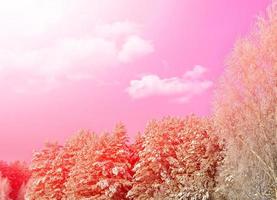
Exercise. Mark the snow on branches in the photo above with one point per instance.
(175, 158)
(179, 160)
(246, 113)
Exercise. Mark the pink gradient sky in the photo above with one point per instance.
(67, 65)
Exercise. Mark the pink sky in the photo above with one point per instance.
(67, 65)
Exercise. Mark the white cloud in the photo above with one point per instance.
(151, 85)
(135, 47)
(196, 72)
(65, 57)
(73, 58)
(94, 51)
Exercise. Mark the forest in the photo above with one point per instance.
(229, 155)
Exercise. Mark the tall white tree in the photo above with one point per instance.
(246, 114)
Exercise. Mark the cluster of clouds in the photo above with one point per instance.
(25, 67)
(185, 87)
(75, 58)
(127, 44)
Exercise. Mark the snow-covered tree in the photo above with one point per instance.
(75, 186)
(40, 168)
(246, 114)
(135, 148)
(179, 160)
(103, 169)
(58, 172)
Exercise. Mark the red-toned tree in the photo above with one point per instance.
(60, 167)
(4, 167)
(103, 169)
(4, 188)
(75, 186)
(135, 148)
(22, 192)
(17, 173)
(179, 160)
(246, 114)
(40, 168)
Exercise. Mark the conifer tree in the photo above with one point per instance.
(40, 168)
(103, 169)
(79, 179)
(179, 160)
(135, 148)
(118, 153)
(62, 165)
